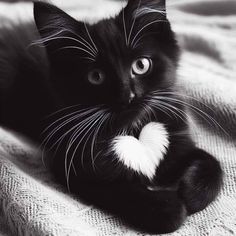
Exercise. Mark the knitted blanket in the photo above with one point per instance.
(31, 203)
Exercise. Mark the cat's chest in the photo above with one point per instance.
(143, 154)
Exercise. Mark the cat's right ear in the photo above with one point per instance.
(54, 26)
(50, 19)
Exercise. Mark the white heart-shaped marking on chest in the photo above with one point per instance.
(143, 155)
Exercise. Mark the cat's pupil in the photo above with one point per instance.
(96, 77)
(140, 64)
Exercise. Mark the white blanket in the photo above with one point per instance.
(31, 203)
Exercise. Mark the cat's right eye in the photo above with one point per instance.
(96, 77)
(141, 66)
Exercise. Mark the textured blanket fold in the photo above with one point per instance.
(31, 203)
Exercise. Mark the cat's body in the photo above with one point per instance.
(23, 83)
(122, 148)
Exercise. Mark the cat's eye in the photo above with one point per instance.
(96, 77)
(141, 66)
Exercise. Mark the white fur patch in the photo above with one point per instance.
(143, 155)
(155, 136)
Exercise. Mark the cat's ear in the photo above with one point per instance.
(150, 3)
(144, 15)
(49, 19)
(147, 18)
(56, 28)
(142, 7)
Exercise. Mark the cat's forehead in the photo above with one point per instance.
(122, 36)
(106, 28)
(110, 38)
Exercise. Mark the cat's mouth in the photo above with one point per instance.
(127, 109)
(131, 114)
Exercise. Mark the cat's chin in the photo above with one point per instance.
(131, 117)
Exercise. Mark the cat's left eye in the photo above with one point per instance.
(96, 77)
(141, 66)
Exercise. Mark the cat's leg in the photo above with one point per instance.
(126, 171)
(201, 173)
(149, 211)
(201, 181)
(119, 177)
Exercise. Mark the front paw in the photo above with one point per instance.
(201, 181)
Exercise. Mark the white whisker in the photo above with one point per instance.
(82, 112)
(130, 33)
(145, 26)
(93, 122)
(63, 109)
(76, 115)
(89, 58)
(198, 111)
(84, 40)
(84, 125)
(40, 41)
(183, 115)
(45, 40)
(95, 47)
(138, 40)
(77, 48)
(182, 95)
(103, 119)
(55, 130)
(148, 10)
(77, 128)
(124, 26)
(147, 111)
(164, 107)
(176, 111)
(159, 108)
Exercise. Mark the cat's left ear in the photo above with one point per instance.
(142, 7)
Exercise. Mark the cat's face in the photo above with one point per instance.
(116, 62)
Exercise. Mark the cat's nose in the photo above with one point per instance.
(131, 96)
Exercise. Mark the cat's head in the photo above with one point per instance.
(116, 61)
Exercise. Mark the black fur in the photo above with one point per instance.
(36, 81)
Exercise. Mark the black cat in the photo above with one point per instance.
(118, 134)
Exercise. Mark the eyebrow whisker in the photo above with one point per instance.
(89, 35)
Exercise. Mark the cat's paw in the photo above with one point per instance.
(201, 181)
